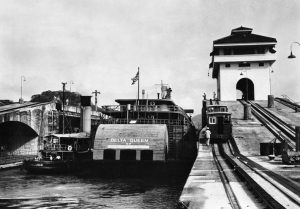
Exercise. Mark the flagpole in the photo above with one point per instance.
(138, 102)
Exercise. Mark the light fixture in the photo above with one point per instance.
(291, 47)
(291, 56)
(241, 73)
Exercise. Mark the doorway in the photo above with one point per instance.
(246, 87)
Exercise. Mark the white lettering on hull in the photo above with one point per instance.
(130, 140)
(118, 146)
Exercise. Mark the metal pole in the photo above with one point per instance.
(96, 98)
(247, 86)
(270, 81)
(63, 107)
(71, 82)
(138, 102)
(22, 79)
(21, 87)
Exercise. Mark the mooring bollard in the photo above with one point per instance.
(247, 111)
(297, 137)
(270, 101)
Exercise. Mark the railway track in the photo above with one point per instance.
(225, 181)
(274, 190)
(280, 129)
(288, 103)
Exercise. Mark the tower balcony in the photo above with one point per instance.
(245, 58)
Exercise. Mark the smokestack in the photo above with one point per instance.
(86, 110)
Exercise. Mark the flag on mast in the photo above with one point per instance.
(135, 78)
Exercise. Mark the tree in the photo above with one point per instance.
(72, 98)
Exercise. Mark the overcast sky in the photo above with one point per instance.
(98, 44)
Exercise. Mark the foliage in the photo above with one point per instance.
(71, 98)
(5, 102)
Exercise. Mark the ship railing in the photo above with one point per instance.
(57, 147)
(142, 108)
(145, 121)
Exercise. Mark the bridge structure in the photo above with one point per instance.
(23, 126)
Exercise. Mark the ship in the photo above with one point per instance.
(65, 152)
(60, 153)
(139, 133)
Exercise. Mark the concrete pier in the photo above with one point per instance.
(203, 188)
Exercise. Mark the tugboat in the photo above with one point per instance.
(61, 153)
(139, 133)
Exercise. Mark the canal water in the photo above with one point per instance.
(19, 189)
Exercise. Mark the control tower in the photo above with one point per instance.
(241, 63)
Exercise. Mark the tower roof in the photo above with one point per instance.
(244, 35)
(241, 30)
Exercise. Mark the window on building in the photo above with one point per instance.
(227, 51)
(244, 50)
(109, 154)
(261, 64)
(147, 155)
(244, 64)
(212, 120)
(261, 50)
(227, 65)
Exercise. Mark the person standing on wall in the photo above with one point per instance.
(207, 135)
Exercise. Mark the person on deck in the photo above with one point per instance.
(207, 135)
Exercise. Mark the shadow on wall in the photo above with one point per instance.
(18, 138)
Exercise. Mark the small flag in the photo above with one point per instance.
(135, 78)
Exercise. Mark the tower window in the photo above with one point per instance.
(261, 64)
(227, 65)
(244, 64)
(227, 51)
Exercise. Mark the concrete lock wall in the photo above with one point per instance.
(131, 137)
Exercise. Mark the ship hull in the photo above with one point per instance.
(109, 168)
(48, 167)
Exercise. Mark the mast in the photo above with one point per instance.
(63, 106)
(138, 101)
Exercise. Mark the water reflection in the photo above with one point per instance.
(19, 189)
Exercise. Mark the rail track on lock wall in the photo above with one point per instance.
(225, 180)
(280, 129)
(274, 190)
(288, 103)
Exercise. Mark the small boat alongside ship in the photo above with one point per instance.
(61, 153)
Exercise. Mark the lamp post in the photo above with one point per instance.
(291, 55)
(22, 80)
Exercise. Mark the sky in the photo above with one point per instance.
(99, 45)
